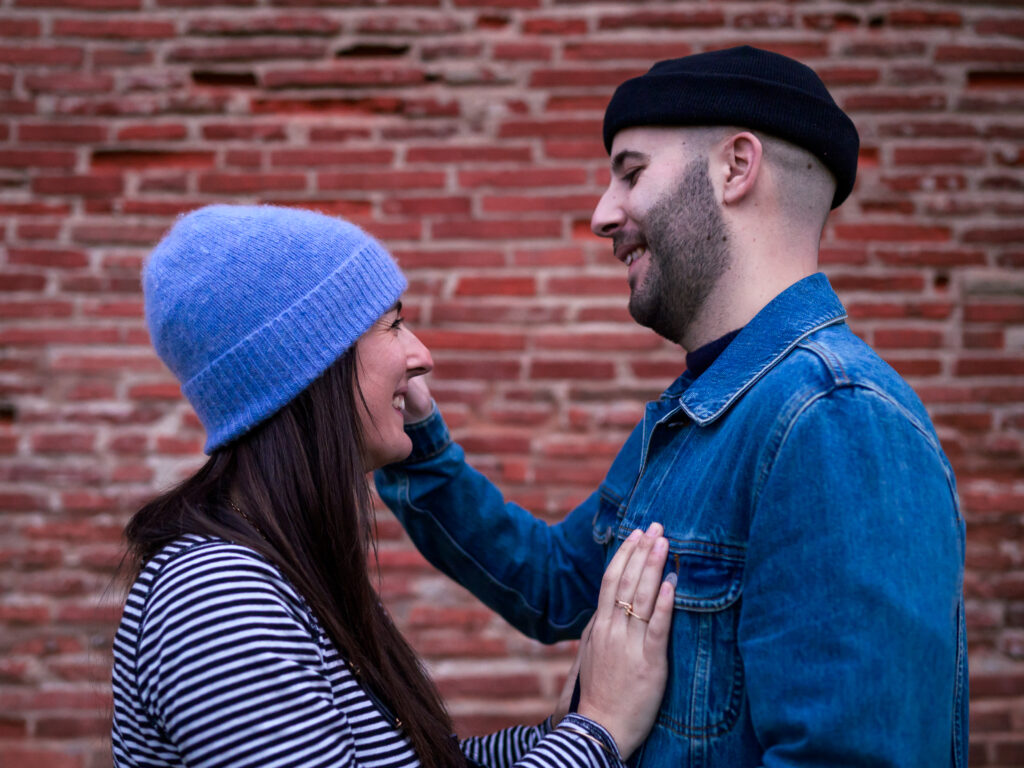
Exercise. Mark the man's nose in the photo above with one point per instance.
(608, 215)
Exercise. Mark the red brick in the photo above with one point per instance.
(327, 157)
(470, 154)
(916, 19)
(604, 341)
(895, 102)
(250, 183)
(554, 26)
(426, 206)
(523, 178)
(410, 24)
(495, 230)
(75, 83)
(496, 286)
(13, 27)
(589, 286)
(78, 133)
(522, 52)
(41, 54)
(32, 158)
(343, 76)
(41, 756)
(151, 132)
(471, 258)
(989, 366)
(59, 258)
(381, 180)
(664, 20)
(478, 368)
(21, 282)
(545, 128)
(582, 78)
(283, 24)
(884, 232)
(35, 308)
(994, 313)
(96, 185)
(127, 28)
(987, 53)
(246, 131)
(947, 155)
(560, 203)
(125, 234)
(584, 368)
(246, 51)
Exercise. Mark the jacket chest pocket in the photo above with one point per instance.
(705, 687)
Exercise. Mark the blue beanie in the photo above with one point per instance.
(247, 305)
(745, 87)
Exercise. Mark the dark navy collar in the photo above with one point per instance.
(805, 307)
(701, 358)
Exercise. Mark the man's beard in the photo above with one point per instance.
(688, 252)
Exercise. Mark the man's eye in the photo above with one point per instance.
(397, 323)
(630, 177)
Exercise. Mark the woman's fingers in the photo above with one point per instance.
(613, 573)
(660, 625)
(624, 662)
(634, 568)
(645, 592)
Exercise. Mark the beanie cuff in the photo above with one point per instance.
(264, 371)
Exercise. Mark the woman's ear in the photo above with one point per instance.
(741, 157)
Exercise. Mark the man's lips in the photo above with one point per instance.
(628, 252)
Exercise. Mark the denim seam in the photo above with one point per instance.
(404, 487)
(756, 376)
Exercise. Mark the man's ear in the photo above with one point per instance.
(741, 155)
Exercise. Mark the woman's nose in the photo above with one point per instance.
(417, 360)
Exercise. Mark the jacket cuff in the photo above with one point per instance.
(593, 731)
(429, 437)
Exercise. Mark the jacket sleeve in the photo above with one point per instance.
(543, 579)
(851, 598)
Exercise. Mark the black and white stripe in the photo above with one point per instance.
(219, 662)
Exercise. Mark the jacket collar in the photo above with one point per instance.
(797, 312)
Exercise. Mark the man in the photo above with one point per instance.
(812, 515)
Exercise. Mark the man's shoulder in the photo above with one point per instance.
(833, 361)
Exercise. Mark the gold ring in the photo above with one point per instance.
(635, 615)
(627, 607)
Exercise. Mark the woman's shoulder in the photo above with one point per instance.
(220, 575)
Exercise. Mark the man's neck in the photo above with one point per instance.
(734, 302)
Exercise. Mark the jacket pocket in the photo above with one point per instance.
(608, 515)
(705, 689)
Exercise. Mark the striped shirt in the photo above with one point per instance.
(218, 661)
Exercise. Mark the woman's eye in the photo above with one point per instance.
(397, 323)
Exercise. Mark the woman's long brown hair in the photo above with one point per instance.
(299, 479)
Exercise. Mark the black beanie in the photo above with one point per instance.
(748, 88)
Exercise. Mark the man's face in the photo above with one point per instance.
(666, 225)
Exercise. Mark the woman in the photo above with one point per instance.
(252, 634)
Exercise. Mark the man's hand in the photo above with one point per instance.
(418, 404)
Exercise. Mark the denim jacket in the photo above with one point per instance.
(815, 531)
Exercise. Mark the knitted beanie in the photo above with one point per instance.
(746, 87)
(247, 305)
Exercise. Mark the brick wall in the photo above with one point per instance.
(465, 134)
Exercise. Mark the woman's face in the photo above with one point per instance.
(387, 356)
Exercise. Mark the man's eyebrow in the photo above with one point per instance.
(627, 154)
